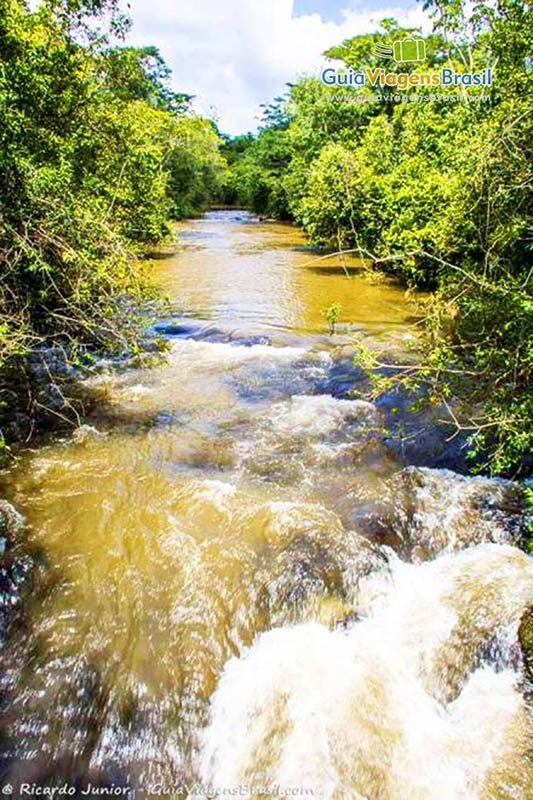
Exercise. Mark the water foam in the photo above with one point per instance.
(318, 415)
(439, 510)
(394, 708)
(225, 354)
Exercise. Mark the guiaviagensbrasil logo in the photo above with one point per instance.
(408, 49)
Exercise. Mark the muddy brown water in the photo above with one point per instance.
(226, 501)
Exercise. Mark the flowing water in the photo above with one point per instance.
(239, 585)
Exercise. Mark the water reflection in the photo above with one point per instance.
(223, 494)
(257, 277)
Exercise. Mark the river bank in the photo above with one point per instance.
(242, 577)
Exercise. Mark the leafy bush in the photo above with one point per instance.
(439, 193)
(97, 155)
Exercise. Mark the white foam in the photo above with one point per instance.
(365, 714)
(225, 354)
(315, 415)
(451, 511)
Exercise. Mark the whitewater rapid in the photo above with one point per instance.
(249, 578)
(418, 700)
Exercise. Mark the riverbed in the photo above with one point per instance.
(243, 579)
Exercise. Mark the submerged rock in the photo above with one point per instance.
(86, 432)
(11, 522)
(173, 329)
(525, 637)
(13, 568)
(434, 510)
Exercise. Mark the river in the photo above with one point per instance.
(242, 582)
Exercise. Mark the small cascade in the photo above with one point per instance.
(418, 700)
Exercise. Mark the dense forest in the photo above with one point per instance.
(438, 191)
(98, 155)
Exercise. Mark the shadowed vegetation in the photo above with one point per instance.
(436, 191)
(97, 157)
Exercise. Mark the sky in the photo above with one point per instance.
(234, 55)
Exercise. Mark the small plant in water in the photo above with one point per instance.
(331, 313)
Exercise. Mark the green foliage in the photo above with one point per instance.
(332, 313)
(257, 174)
(440, 194)
(195, 167)
(258, 165)
(528, 501)
(140, 73)
(97, 155)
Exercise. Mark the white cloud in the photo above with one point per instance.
(235, 54)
